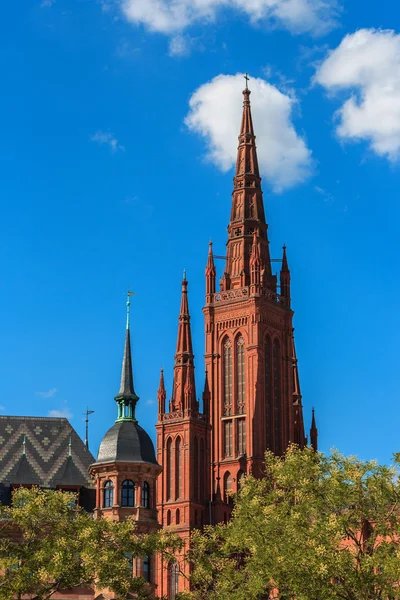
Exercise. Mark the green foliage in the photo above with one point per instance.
(47, 544)
(316, 528)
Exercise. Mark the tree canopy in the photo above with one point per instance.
(48, 544)
(317, 527)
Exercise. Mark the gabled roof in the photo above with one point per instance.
(43, 459)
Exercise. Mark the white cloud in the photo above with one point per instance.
(172, 16)
(367, 63)
(46, 3)
(47, 394)
(2, 408)
(64, 412)
(106, 138)
(215, 113)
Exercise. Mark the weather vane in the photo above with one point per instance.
(86, 413)
(128, 304)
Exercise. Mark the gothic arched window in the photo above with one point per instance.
(277, 400)
(145, 494)
(127, 493)
(195, 469)
(169, 469)
(173, 581)
(178, 468)
(268, 392)
(202, 469)
(168, 517)
(227, 353)
(240, 480)
(240, 376)
(177, 516)
(108, 494)
(227, 487)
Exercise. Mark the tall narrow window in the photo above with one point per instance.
(240, 480)
(241, 376)
(108, 494)
(146, 568)
(241, 436)
(169, 469)
(173, 581)
(268, 393)
(227, 438)
(277, 402)
(178, 468)
(195, 469)
(202, 469)
(227, 378)
(227, 487)
(128, 493)
(145, 494)
(177, 516)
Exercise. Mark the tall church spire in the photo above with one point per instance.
(247, 213)
(126, 398)
(184, 390)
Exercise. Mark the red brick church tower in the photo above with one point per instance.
(250, 354)
(251, 400)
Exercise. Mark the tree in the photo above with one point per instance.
(316, 527)
(48, 544)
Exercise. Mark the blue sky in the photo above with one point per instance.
(118, 121)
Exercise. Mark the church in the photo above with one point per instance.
(251, 402)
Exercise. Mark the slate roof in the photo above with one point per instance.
(44, 458)
(126, 441)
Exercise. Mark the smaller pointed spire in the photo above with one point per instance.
(314, 432)
(206, 396)
(285, 278)
(285, 266)
(184, 389)
(210, 274)
(161, 395)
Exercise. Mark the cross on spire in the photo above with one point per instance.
(246, 77)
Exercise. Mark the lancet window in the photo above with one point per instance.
(240, 376)
(202, 469)
(195, 469)
(268, 392)
(277, 403)
(227, 487)
(178, 468)
(173, 581)
(169, 469)
(227, 352)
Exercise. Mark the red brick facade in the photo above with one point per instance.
(251, 398)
